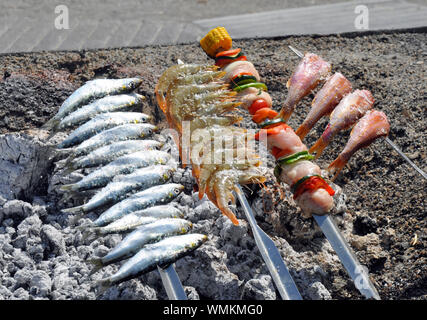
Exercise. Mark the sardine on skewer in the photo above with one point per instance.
(136, 219)
(161, 254)
(155, 195)
(146, 233)
(91, 90)
(120, 102)
(122, 186)
(129, 131)
(100, 123)
(108, 153)
(122, 165)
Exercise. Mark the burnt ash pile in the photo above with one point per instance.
(381, 206)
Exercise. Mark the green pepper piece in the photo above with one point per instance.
(303, 155)
(254, 84)
(270, 122)
(241, 80)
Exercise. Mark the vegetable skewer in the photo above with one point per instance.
(282, 142)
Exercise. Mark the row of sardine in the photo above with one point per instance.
(131, 178)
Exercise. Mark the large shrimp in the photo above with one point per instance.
(222, 183)
(173, 73)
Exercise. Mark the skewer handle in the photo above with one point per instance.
(271, 255)
(172, 284)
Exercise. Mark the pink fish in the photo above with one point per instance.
(371, 126)
(334, 89)
(309, 72)
(351, 108)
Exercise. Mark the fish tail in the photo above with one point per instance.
(337, 165)
(97, 265)
(201, 193)
(302, 131)
(69, 167)
(78, 209)
(318, 147)
(92, 232)
(51, 125)
(69, 187)
(64, 151)
(103, 285)
(285, 113)
(78, 216)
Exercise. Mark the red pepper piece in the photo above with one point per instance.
(257, 105)
(263, 114)
(231, 52)
(225, 62)
(311, 184)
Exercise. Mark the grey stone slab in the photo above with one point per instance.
(78, 36)
(170, 32)
(32, 37)
(147, 33)
(124, 34)
(55, 37)
(102, 34)
(15, 28)
(190, 33)
(325, 19)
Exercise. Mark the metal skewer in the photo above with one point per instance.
(391, 143)
(172, 284)
(355, 269)
(271, 255)
(396, 148)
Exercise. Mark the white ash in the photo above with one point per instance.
(43, 254)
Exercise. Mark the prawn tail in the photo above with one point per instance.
(51, 125)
